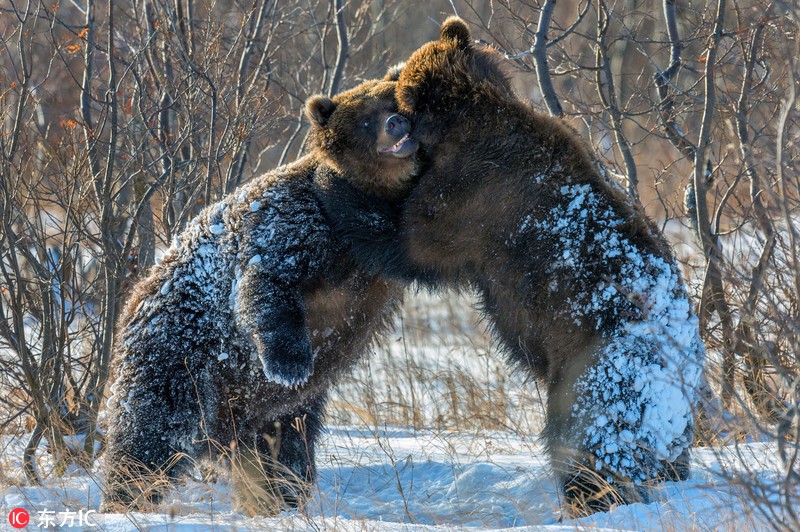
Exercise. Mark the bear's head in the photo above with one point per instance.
(359, 134)
(444, 75)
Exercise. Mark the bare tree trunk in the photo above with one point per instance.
(111, 265)
(343, 47)
(755, 355)
(713, 291)
(540, 60)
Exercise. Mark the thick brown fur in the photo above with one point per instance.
(457, 217)
(494, 162)
(498, 169)
(189, 383)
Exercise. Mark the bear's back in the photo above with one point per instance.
(193, 289)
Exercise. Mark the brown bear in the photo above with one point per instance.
(229, 346)
(580, 288)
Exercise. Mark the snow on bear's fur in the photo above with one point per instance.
(229, 346)
(578, 285)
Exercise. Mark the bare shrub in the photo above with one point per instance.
(120, 120)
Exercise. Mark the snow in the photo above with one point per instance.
(390, 477)
(398, 479)
(459, 476)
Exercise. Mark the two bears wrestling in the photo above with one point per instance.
(438, 174)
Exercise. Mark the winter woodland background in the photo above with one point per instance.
(120, 120)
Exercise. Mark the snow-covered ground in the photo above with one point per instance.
(396, 479)
(477, 464)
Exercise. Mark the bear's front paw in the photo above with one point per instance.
(288, 359)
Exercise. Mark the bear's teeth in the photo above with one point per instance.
(400, 143)
(396, 147)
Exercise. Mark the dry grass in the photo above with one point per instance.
(440, 372)
(438, 369)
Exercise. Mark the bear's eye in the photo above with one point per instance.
(365, 124)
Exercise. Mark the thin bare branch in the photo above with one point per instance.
(342, 47)
(608, 96)
(663, 81)
(539, 53)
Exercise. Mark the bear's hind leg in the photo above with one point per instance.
(613, 425)
(274, 469)
(154, 425)
(587, 485)
(677, 470)
(140, 462)
(133, 485)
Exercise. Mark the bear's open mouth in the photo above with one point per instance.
(402, 148)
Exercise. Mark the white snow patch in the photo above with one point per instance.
(438, 480)
(166, 287)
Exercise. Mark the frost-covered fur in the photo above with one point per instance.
(633, 404)
(579, 286)
(229, 346)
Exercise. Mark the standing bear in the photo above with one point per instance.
(229, 347)
(580, 288)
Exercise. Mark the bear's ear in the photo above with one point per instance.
(319, 109)
(456, 31)
(394, 72)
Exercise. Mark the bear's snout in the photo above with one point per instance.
(397, 125)
(394, 140)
